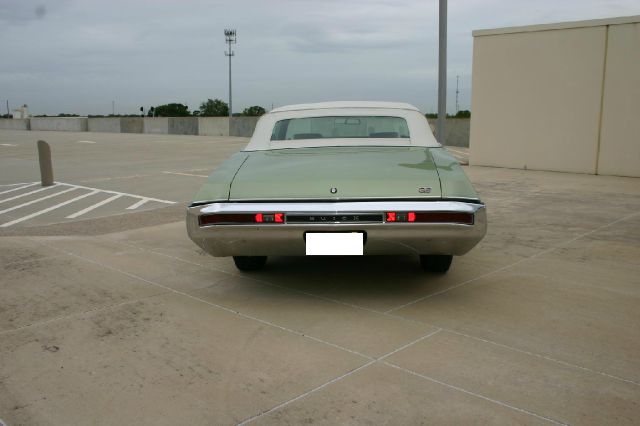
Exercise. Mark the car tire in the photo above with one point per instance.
(437, 263)
(249, 263)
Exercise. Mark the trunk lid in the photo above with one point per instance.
(356, 173)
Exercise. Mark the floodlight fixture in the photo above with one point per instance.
(230, 38)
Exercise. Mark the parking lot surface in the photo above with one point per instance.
(114, 316)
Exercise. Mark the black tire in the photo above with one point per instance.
(249, 263)
(438, 263)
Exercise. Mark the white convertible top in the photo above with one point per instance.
(419, 131)
(346, 104)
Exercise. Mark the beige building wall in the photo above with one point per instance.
(620, 131)
(539, 91)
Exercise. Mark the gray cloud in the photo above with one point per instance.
(78, 56)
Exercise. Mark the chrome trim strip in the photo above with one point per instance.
(346, 207)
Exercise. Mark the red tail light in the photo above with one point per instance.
(430, 217)
(445, 217)
(241, 218)
(230, 218)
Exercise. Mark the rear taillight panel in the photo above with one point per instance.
(429, 217)
(241, 219)
(275, 218)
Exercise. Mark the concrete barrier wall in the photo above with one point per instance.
(183, 125)
(213, 126)
(108, 125)
(63, 124)
(15, 124)
(456, 131)
(242, 126)
(131, 125)
(158, 125)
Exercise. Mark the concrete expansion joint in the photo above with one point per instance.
(477, 395)
(411, 320)
(511, 265)
(371, 360)
(368, 360)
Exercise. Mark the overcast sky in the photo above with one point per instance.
(75, 56)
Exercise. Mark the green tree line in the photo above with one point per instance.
(208, 108)
(460, 114)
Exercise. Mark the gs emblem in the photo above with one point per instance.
(424, 190)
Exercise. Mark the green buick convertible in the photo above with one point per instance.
(339, 178)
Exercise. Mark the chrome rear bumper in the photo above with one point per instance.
(380, 238)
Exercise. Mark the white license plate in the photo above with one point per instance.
(334, 243)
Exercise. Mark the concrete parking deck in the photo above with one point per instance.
(119, 319)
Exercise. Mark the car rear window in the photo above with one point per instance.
(340, 127)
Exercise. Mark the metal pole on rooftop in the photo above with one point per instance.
(230, 38)
(442, 72)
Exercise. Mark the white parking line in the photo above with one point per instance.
(17, 184)
(17, 189)
(138, 200)
(93, 207)
(47, 210)
(120, 193)
(7, 144)
(85, 142)
(137, 204)
(28, 203)
(184, 174)
(26, 193)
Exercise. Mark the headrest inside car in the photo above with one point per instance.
(307, 136)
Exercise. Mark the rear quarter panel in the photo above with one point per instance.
(217, 186)
(454, 183)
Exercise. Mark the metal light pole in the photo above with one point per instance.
(230, 38)
(442, 72)
(457, 93)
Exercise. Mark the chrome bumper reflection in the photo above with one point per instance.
(381, 238)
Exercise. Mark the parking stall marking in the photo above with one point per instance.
(16, 189)
(28, 203)
(48, 209)
(93, 207)
(15, 184)
(63, 188)
(15, 197)
(121, 193)
(137, 204)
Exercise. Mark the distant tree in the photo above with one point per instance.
(169, 110)
(254, 111)
(214, 108)
(460, 114)
(68, 115)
